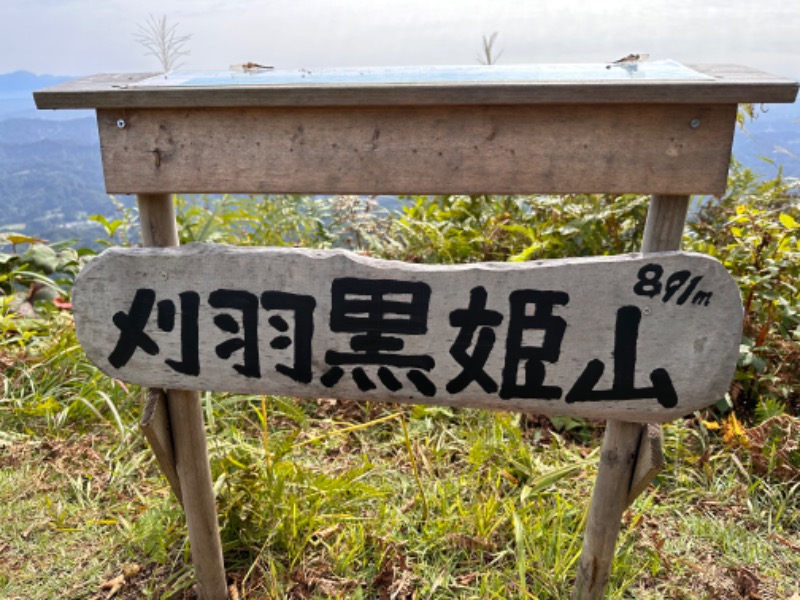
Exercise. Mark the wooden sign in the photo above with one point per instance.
(505, 149)
(647, 127)
(644, 338)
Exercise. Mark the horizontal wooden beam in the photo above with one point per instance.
(722, 84)
(635, 148)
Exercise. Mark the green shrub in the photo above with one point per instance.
(755, 231)
(458, 229)
(35, 277)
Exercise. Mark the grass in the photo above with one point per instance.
(324, 499)
(327, 499)
(319, 498)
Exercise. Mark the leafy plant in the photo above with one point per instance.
(119, 231)
(754, 231)
(319, 498)
(35, 280)
(353, 222)
(457, 229)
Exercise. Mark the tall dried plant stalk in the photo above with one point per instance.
(162, 41)
(488, 57)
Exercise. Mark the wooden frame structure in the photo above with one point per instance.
(613, 133)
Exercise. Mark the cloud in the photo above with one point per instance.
(87, 36)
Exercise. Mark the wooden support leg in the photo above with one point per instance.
(194, 473)
(649, 461)
(609, 499)
(156, 428)
(615, 481)
(157, 216)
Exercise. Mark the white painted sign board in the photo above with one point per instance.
(645, 338)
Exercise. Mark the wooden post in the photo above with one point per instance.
(194, 472)
(649, 460)
(666, 218)
(157, 217)
(663, 231)
(158, 433)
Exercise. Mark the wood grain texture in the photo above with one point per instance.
(696, 344)
(157, 220)
(666, 220)
(199, 501)
(183, 425)
(424, 150)
(626, 466)
(155, 427)
(650, 460)
(732, 84)
(609, 498)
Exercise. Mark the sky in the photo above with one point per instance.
(82, 37)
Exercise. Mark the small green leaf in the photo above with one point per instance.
(42, 257)
(8, 258)
(787, 221)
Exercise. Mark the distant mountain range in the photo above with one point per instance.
(773, 136)
(51, 176)
(16, 99)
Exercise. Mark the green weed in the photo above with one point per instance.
(320, 498)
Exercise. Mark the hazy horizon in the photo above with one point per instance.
(81, 37)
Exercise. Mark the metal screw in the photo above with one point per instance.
(694, 123)
(121, 123)
(647, 311)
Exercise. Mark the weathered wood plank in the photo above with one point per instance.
(731, 84)
(199, 501)
(649, 460)
(609, 499)
(183, 426)
(625, 469)
(670, 149)
(155, 426)
(641, 338)
(666, 220)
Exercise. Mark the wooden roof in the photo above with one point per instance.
(670, 83)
